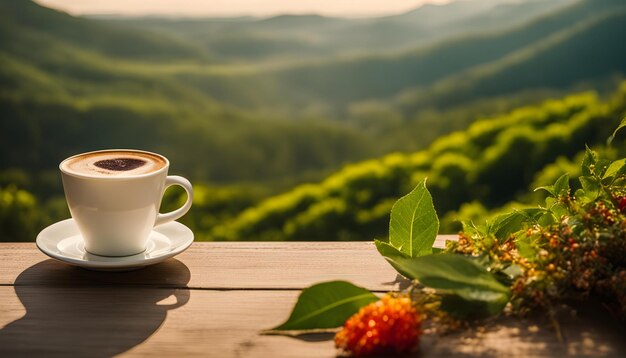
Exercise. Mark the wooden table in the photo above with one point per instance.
(214, 299)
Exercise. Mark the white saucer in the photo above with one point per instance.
(62, 241)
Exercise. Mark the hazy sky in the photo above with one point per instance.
(236, 7)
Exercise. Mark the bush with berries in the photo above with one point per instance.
(526, 260)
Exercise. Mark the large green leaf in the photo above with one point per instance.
(457, 275)
(451, 272)
(414, 224)
(391, 254)
(326, 305)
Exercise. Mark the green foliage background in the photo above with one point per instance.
(471, 174)
(265, 115)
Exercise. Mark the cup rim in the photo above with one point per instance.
(115, 178)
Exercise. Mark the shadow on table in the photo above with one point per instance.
(400, 281)
(588, 329)
(71, 311)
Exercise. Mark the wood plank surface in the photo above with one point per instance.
(219, 265)
(214, 299)
(105, 321)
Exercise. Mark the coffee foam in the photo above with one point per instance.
(85, 164)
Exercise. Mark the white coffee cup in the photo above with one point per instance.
(115, 214)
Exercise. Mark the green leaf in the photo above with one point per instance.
(616, 168)
(386, 250)
(590, 187)
(507, 224)
(621, 125)
(451, 272)
(546, 219)
(414, 224)
(561, 186)
(457, 275)
(601, 166)
(583, 197)
(391, 254)
(559, 210)
(326, 305)
(548, 188)
(531, 213)
(589, 162)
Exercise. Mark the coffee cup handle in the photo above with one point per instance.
(173, 215)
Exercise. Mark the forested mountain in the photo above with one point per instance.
(577, 53)
(170, 98)
(441, 74)
(337, 83)
(315, 36)
(25, 24)
(59, 96)
(257, 113)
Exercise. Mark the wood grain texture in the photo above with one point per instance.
(217, 265)
(214, 299)
(105, 321)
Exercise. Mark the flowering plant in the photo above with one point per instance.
(528, 259)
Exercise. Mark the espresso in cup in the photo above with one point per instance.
(114, 163)
(114, 197)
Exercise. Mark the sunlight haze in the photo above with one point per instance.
(199, 8)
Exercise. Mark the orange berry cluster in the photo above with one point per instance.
(391, 325)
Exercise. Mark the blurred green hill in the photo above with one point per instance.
(25, 23)
(296, 37)
(334, 84)
(59, 95)
(575, 37)
(579, 52)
